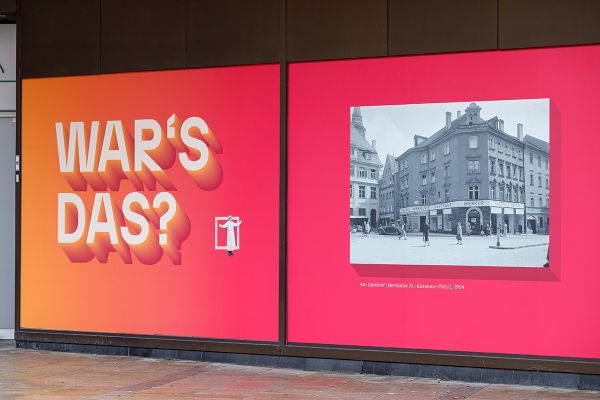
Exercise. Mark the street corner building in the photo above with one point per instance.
(365, 167)
(473, 172)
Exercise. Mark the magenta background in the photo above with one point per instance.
(502, 310)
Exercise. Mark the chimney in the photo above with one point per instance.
(458, 114)
(448, 119)
(501, 121)
(520, 131)
(373, 143)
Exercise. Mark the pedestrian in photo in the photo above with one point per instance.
(426, 234)
(368, 228)
(459, 234)
(402, 231)
(364, 228)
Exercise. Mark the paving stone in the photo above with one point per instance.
(41, 374)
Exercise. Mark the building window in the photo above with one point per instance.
(423, 158)
(473, 166)
(493, 192)
(373, 192)
(423, 179)
(373, 174)
(530, 179)
(362, 212)
(521, 174)
(351, 211)
(508, 193)
(432, 155)
(446, 194)
(351, 191)
(547, 184)
(539, 181)
(362, 173)
(546, 161)
(473, 192)
(500, 168)
(540, 201)
(433, 177)
(547, 201)
(531, 203)
(423, 199)
(361, 192)
(492, 144)
(473, 142)
(352, 170)
(501, 193)
(530, 158)
(508, 170)
(446, 148)
(366, 155)
(446, 171)
(492, 167)
(499, 147)
(432, 198)
(352, 152)
(539, 161)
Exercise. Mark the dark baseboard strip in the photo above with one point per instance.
(466, 374)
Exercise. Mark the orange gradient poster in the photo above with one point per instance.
(150, 203)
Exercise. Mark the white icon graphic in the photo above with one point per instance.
(232, 224)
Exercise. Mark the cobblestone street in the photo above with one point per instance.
(443, 250)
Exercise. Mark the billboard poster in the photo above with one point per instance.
(425, 202)
(150, 203)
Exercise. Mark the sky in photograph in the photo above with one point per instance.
(393, 126)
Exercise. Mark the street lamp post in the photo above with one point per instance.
(498, 225)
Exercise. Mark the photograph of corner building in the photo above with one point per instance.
(484, 171)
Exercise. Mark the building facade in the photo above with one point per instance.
(537, 168)
(470, 172)
(365, 167)
(387, 191)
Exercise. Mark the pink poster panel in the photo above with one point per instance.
(450, 242)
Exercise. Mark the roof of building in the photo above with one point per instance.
(358, 137)
(539, 143)
(454, 124)
(391, 160)
(359, 141)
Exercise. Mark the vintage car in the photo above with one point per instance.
(389, 230)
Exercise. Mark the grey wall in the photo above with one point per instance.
(7, 225)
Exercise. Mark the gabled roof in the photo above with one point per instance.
(539, 143)
(391, 161)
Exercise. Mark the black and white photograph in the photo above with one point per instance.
(462, 183)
